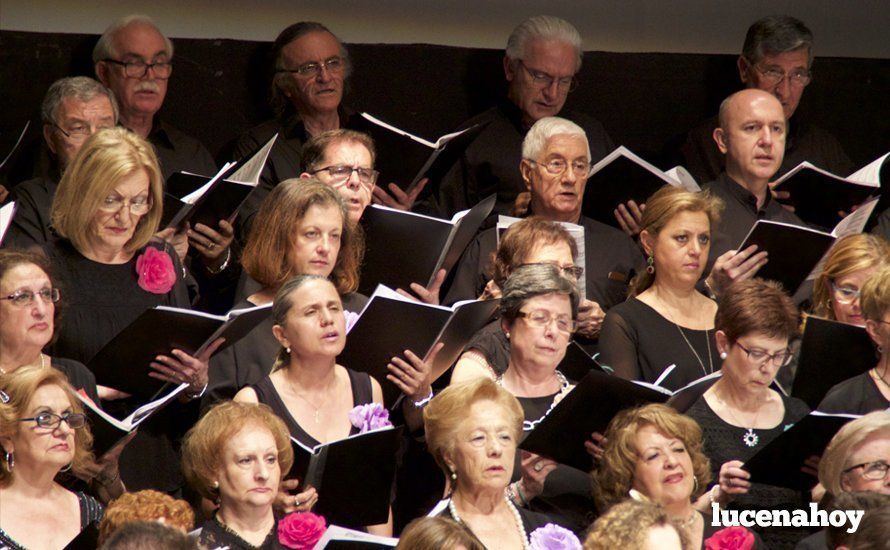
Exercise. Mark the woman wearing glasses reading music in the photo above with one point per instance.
(740, 414)
(869, 391)
(43, 432)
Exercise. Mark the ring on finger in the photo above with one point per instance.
(296, 502)
(539, 466)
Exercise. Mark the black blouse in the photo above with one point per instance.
(90, 513)
(215, 535)
(638, 343)
(858, 395)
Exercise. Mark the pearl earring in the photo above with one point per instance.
(287, 350)
(216, 484)
(453, 475)
(722, 355)
(508, 335)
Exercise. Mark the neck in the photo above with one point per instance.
(138, 123)
(882, 369)
(555, 216)
(676, 297)
(530, 380)
(739, 399)
(11, 359)
(245, 519)
(757, 187)
(315, 374)
(107, 255)
(35, 483)
(317, 123)
(480, 502)
(680, 511)
(264, 296)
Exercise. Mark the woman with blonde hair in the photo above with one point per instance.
(849, 263)
(858, 456)
(666, 320)
(636, 525)
(43, 431)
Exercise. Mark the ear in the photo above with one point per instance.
(506, 325)
(720, 138)
(743, 70)
(278, 333)
(509, 73)
(525, 168)
(874, 331)
(101, 68)
(305, 176)
(722, 340)
(47, 134)
(647, 240)
(6, 443)
(448, 460)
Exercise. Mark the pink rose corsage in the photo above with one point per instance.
(156, 272)
(730, 538)
(301, 530)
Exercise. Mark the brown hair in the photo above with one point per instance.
(203, 444)
(614, 478)
(281, 305)
(146, 505)
(520, 240)
(11, 258)
(847, 256)
(444, 415)
(105, 159)
(875, 295)
(836, 455)
(626, 525)
(267, 253)
(315, 150)
(872, 531)
(19, 386)
(435, 533)
(756, 306)
(661, 208)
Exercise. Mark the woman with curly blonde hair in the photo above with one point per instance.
(146, 505)
(636, 525)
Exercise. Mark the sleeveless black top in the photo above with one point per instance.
(267, 394)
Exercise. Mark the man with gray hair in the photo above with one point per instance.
(554, 167)
(542, 59)
(777, 57)
(135, 61)
(73, 109)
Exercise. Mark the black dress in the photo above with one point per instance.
(723, 442)
(215, 535)
(638, 343)
(567, 497)
(248, 360)
(90, 512)
(80, 377)
(98, 301)
(492, 343)
(858, 395)
(530, 520)
(362, 394)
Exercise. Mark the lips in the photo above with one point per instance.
(263, 490)
(60, 447)
(40, 326)
(332, 335)
(674, 478)
(118, 230)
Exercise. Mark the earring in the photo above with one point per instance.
(287, 350)
(453, 475)
(650, 265)
(694, 484)
(215, 484)
(508, 335)
(722, 355)
(10, 460)
(66, 468)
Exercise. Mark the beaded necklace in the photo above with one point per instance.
(453, 509)
(529, 425)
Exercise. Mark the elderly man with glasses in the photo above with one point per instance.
(542, 60)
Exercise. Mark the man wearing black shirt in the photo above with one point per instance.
(542, 58)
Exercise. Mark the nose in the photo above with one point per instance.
(495, 447)
(552, 90)
(262, 470)
(323, 74)
(353, 182)
(63, 429)
(783, 88)
(40, 307)
(766, 136)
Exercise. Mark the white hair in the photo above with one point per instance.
(540, 133)
(544, 27)
(105, 46)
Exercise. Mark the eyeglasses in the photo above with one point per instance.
(334, 64)
(137, 206)
(25, 298)
(75, 421)
(778, 359)
(542, 318)
(557, 167)
(138, 69)
(542, 81)
(340, 173)
(871, 470)
(774, 76)
(844, 294)
(573, 272)
(79, 132)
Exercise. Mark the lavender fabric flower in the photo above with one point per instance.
(351, 318)
(372, 416)
(553, 537)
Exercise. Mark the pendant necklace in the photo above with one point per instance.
(749, 438)
(701, 363)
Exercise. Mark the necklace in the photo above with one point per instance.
(749, 438)
(701, 363)
(232, 532)
(688, 523)
(293, 389)
(529, 425)
(880, 377)
(516, 517)
(42, 364)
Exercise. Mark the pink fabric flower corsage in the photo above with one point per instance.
(730, 538)
(553, 537)
(156, 272)
(301, 530)
(372, 416)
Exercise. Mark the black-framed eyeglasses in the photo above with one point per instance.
(871, 470)
(340, 173)
(138, 69)
(79, 132)
(778, 359)
(774, 76)
(542, 81)
(573, 272)
(25, 298)
(557, 167)
(75, 421)
(334, 64)
(845, 294)
(542, 318)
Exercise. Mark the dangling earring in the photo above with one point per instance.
(694, 484)
(453, 475)
(215, 484)
(722, 355)
(650, 265)
(10, 460)
(66, 468)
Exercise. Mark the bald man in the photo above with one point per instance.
(751, 135)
